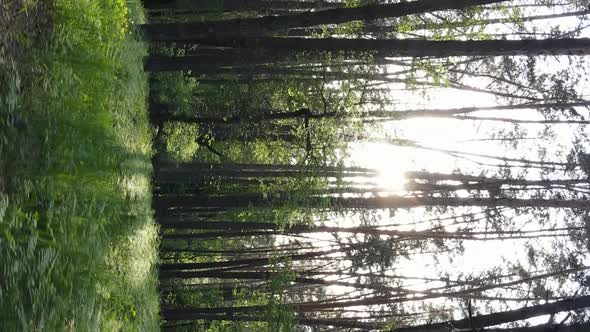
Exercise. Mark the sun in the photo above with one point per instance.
(385, 159)
(391, 180)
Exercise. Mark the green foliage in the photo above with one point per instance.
(181, 141)
(437, 72)
(174, 90)
(77, 240)
(389, 326)
(279, 316)
(468, 24)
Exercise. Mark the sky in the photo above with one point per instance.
(392, 161)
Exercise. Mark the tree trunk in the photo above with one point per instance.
(411, 47)
(205, 6)
(471, 23)
(284, 48)
(200, 6)
(211, 64)
(213, 235)
(367, 116)
(481, 321)
(269, 24)
(188, 173)
(221, 225)
(262, 276)
(250, 262)
(388, 202)
(378, 300)
(433, 177)
(191, 314)
(237, 227)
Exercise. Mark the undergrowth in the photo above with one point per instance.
(78, 244)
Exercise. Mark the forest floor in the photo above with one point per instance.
(78, 244)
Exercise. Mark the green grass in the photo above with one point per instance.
(78, 245)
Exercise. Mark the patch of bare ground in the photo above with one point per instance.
(22, 23)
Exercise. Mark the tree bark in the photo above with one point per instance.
(579, 327)
(367, 116)
(481, 321)
(388, 202)
(470, 23)
(270, 229)
(262, 276)
(433, 177)
(188, 173)
(381, 48)
(377, 300)
(267, 24)
(191, 314)
(250, 262)
(410, 47)
(201, 5)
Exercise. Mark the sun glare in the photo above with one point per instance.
(386, 160)
(391, 179)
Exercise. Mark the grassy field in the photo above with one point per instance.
(78, 245)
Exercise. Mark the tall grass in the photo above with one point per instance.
(78, 243)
